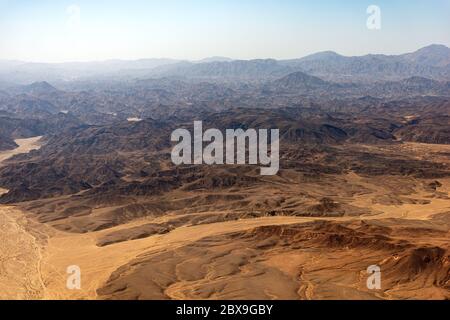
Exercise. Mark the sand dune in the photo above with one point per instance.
(245, 256)
(319, 260)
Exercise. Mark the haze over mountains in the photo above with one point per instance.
(217, 84)
(364, 178)
(430, 62)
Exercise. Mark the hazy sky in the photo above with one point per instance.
(55, 31)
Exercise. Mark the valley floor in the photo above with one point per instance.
(260, 260)
(20, 252)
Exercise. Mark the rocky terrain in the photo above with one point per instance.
(364, 180)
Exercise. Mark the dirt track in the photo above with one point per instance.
(20, 254)
(29, 270)
(19, 258)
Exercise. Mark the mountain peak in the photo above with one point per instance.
(324, 55)
(215, 59)
(435, 47)
(41, 84)
(437, 55)
(40, 87)
(300, 80)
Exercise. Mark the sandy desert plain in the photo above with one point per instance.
(398, 223)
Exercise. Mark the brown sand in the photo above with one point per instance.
(20, 258)
(20, 254)
(34, 271)
(24, 146)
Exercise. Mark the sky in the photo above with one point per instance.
(92, 30)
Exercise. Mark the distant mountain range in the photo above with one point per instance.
(430, 62)
(302, 83)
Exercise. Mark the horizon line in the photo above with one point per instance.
(175, 60)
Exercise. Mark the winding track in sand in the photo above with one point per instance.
(20, 253)
(32, 272)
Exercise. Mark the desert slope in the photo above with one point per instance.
(20, 252)
(400, 223)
